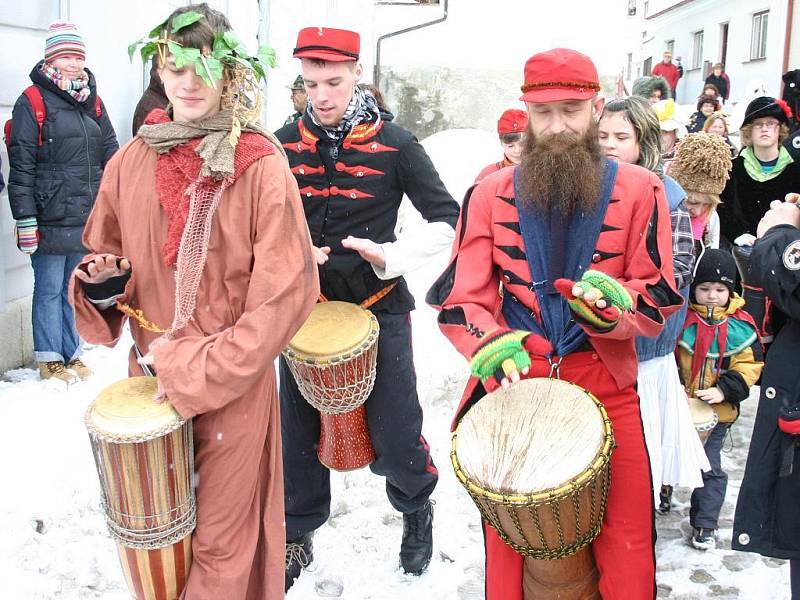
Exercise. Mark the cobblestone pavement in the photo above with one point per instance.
(685, 573)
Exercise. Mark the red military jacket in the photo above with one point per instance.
(489, 259)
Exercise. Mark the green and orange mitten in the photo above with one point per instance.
(617, 298)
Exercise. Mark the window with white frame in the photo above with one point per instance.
(697, 49)
(758, 40)
(670, 45)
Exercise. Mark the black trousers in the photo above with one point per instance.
(394, 417)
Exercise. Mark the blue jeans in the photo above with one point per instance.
(54, 335)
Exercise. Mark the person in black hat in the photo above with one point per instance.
(716, 326)
(764, 170)
(767, 520)
(299, 100)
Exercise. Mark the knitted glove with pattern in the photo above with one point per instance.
(615, 295)
(27, 230)
(500, 355)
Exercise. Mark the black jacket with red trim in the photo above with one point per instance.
(355, 188)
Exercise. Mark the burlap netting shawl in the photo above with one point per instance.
(218, 171)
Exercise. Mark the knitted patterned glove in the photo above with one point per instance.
(27, 235)
(616, 296)
(500, 355)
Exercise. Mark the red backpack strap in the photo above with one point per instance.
(37, 104)
(98, 107)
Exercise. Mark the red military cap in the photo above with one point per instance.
(513, 120)
(326, 43)
(559, 74)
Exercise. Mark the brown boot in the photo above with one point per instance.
(80, 369)
(57, 370)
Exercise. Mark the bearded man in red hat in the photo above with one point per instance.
(549, 233)
(510, 128)
(352, 168)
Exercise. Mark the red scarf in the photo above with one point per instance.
(180, 167)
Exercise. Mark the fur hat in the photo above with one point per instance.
(715, 266)
(644, 87)
(702, 163)
(764, 106)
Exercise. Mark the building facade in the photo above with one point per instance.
(750, 37)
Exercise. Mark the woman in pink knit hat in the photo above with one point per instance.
(59, 143)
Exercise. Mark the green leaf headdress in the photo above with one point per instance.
(242, 93)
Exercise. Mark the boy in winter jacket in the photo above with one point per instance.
(719, 358)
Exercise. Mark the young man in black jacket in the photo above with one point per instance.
(353, 168)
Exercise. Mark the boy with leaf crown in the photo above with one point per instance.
(198, 235)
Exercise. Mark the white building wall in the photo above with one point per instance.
(107, 28)
(681, 22)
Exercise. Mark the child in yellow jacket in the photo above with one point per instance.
(719, 359)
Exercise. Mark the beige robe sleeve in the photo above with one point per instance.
(101, 235)
(201, 374)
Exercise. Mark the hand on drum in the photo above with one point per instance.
(711, 395)
(779, 213)
(501, 359)
(103, 267)
(321, 254)
(369, 250)
(161, 393)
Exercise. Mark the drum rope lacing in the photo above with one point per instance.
(148, 538)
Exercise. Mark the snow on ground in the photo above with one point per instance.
(55, 543)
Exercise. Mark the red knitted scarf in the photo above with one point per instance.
(180, 167)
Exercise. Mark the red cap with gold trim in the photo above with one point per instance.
(326, 43)
(559, 74)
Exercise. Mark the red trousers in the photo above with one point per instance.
(625, 549)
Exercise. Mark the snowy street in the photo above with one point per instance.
(55, 543)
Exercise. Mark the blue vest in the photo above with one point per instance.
(557, 247)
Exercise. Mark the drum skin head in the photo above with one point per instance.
(703, 416)
(532, 437)
(333, 328)
(126, 408)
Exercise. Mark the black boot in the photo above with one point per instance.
(417, 546)
(665, 497)
(299, 554)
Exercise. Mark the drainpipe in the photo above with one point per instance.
(376, 74)
(787, 43)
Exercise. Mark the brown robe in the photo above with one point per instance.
(259, 284)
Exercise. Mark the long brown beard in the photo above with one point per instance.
(561, 171)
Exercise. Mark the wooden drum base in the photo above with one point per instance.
(572, 578)
(158, 574)
(344, 442)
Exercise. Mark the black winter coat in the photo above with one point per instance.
(355, 189)
(767, 517)
(745, 200)
(57, 182)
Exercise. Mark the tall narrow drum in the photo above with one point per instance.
(144, 456)
(333, 360)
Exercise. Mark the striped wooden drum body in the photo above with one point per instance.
(145, 459)
(333, 358)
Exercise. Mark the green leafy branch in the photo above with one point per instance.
(227, 49)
